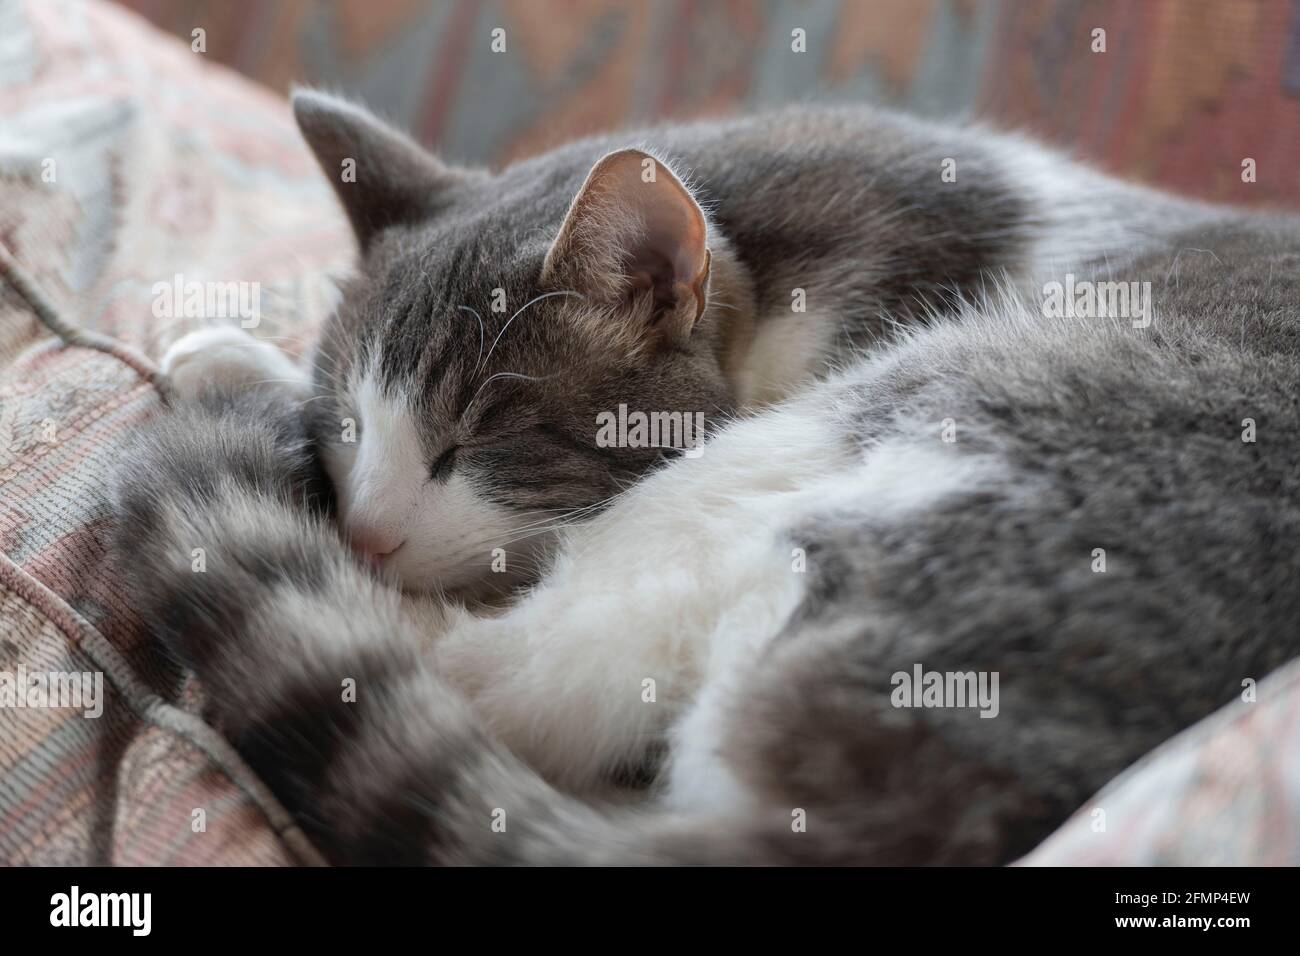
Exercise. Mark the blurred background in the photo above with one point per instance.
(1185, 90)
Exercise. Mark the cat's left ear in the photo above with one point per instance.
(636, 236)
(382, 177)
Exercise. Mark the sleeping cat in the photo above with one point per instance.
(495, 318)
(924, 471)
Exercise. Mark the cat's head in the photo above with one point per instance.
(481, 380)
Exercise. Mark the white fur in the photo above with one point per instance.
(230, 357)
(789, 349)
(447, 529)
(1083, 215)
(682, 581)
(641, 593)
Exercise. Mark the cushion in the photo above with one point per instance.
(126, 160)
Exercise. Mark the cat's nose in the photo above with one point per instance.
(374, 546)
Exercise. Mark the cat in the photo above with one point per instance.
(926, 472)
(494, 318)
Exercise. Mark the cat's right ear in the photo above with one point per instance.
(635, 233)
(382, 177)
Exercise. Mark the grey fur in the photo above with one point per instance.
(1114, 437)
(1107, 436)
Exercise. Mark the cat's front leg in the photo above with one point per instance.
(586, 677)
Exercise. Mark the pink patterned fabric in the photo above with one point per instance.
(125, 160)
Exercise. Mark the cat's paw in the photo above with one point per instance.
(230, 359)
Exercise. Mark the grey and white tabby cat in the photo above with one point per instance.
(918, 469)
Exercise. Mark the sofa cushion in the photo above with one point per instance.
(126, 161)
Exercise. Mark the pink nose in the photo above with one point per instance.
(373, 545)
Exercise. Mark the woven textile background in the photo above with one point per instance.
(1185, 90)
(125, 161)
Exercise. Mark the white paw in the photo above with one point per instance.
(229, 358)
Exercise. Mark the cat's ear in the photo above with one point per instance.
(635, 236)
(382, 177)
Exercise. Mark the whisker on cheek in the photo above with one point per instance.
(481, 334)
(539, 298)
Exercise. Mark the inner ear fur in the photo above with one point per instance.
(635, 240)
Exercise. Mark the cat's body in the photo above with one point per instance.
(732, 625)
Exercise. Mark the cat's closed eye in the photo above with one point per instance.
(442, 466)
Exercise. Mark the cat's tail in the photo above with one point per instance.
(318, 674)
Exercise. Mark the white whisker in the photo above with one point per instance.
(544, 295)
(481, 333)
(493, 378)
